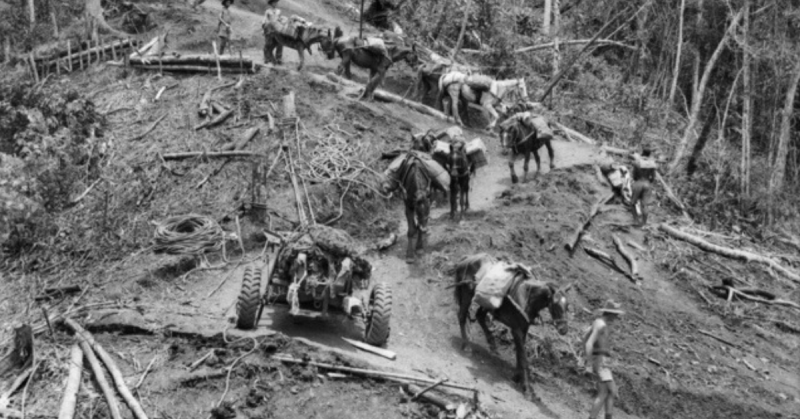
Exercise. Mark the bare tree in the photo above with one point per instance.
(779, 165)
(32, 11)
(689, 135)
(747, 103)
(677, 69)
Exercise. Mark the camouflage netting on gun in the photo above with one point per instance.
(326, 247)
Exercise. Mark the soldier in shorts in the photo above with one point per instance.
(597, 347)
(224, 26)
(644, 174)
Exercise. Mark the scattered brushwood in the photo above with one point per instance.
(222, 113)
(609, 261)
(730, 253)
(727, 291)
(58, 292)
(627, 255)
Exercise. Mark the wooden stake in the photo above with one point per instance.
(114, 51)
(216, 57)
(373, 349)
(119, 380)
(69, 54)
(100, 376)
(33, 67)
(371, 373)
(73, 384)
(361, 21)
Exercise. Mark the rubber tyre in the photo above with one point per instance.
(249, 304)
(377, 328)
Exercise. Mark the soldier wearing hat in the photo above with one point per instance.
(644, 174)
(597, 350)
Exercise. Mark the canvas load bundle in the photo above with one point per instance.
(543, 131)
(441, 148)
(439, 176)
(291, 26)
(479, 82)
(495, 281)
(375, 46)
(476, 152)
(647, 163)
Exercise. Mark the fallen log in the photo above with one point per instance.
(430, 398)
(210, 154)
(391, 97)
(70, 398)
(598, 42)
(192, 68)
(627, 255)
(54, 292)
(100, 377)
(570, 133)
(239, 145)
(116, 375)
(751, 294)
(371, 373)
(606, 259)
(730, 253)
(216, 121)
(574, 238)
(225, 61)
(372, 349)
(205, 102)
(725, 341)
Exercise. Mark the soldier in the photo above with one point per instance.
(271, 15)
(644, 174)
(224, 26)
(597, 347)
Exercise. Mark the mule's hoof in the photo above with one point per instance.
(517, 378)
(514, 179)
(552, 166)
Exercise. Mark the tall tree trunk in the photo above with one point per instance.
(677, 69)
(746, 110)
(782, 151)
(691, 167)
(556, 5)
(461, 33)
(32, 11)
(697, 100)
(548, 7)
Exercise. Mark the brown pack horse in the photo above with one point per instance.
(525, 299)
(523, 141)
(378, 65)
(461, 169)
(417, 187)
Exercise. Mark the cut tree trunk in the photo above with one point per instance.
(391, 97)
(730, 253)
(697, 99)
(100, 377)
(116, 375)
(210, 154)
(627, 255)
(73, 383)
(575, 238)
(598, 42)
(746, 108)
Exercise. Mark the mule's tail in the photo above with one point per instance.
(440, 94)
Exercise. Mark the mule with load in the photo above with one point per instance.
(512, 294)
